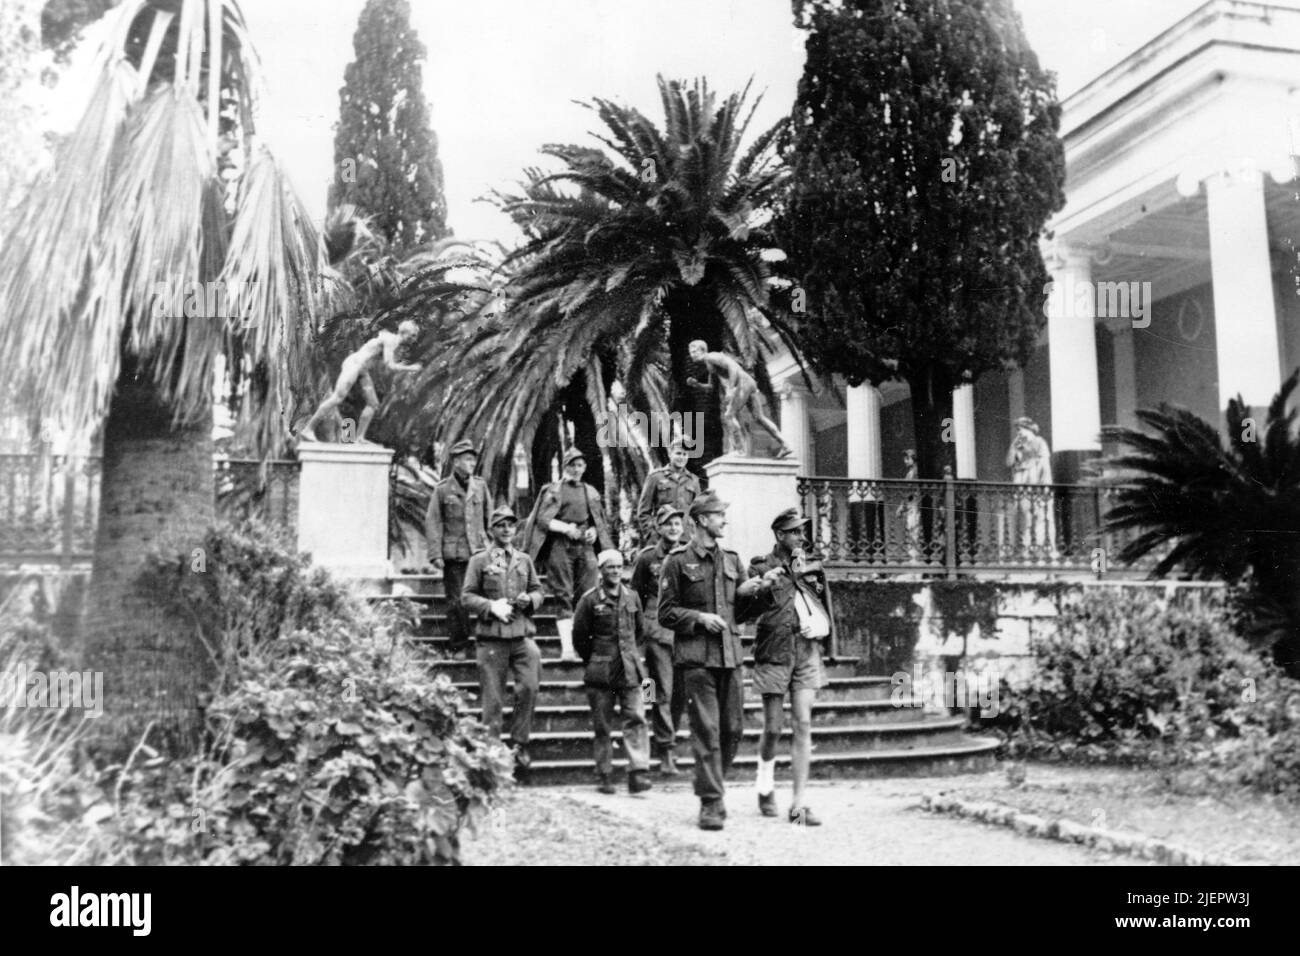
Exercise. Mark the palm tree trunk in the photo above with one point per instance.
(156, 494)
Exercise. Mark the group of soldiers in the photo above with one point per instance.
(667, 638)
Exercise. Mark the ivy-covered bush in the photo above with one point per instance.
(328, 741)
(1130, 677)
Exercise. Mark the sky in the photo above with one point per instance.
(501, 75)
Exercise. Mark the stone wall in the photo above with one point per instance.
(895, 626)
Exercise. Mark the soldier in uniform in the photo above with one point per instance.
(609, 633)
(568, 519)
(702, 594)
(501, 594)
(672, 485)
(792, 631)
(455, 527)
(669, 703)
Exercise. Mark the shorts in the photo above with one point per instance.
(804, 673)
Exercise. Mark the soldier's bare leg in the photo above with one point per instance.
(773, 722)
(801, 743)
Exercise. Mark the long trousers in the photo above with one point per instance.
(670, 696)
(453, 582)
(519, 659)
(716, 703)
(570, 572)
(635, 736)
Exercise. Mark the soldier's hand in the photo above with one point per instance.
(772, 575)
(522, 601)
(713, 623)
(574, 533)
(805, 630)
(589, 535)
(501, 610)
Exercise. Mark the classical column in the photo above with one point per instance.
(794, 424)
(1016, 393)
(1072, 355)
(1124, 360)
(863, 406)
(1245, 317)
(963, 429)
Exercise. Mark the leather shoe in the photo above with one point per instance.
(638, 781)
(523, 764)
(711, 816)
(804, 817)
(767, 804)
(604, 785)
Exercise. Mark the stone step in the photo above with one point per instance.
(573, 693)
(969, 755)
(885, 735)
(565, 718)
(553, 669)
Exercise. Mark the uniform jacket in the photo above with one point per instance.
(645, 582)
(691, 584)
(548, 506)
(457, 521)
(610, 637)
(663, 486)
(778, 624)
(491, 575)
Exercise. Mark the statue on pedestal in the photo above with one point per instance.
(742, 403)
(357, 367)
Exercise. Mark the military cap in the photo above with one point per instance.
(706, 503)
(789, 520)
(608, 555)
(463, 447)
(573, 453)
(667, 511)
(502, 514)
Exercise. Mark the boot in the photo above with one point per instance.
(638, 781)
(604, 784)
(565, 627)
(523, 765)
(668, 764)
(711, 815)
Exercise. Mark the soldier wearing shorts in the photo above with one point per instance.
(788, 646)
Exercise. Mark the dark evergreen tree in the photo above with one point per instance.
(924, 163)
(385, 154)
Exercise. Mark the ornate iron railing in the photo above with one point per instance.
(49, 504)
(48, 507)
(952, 526)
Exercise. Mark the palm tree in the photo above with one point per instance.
(1228, 512)
(660, 230)
(162, 186)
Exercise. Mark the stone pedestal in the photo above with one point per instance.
(343, 507)
(758, 489)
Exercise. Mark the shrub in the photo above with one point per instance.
(328, 741)
(1133, 678)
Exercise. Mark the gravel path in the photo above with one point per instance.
(865, 822)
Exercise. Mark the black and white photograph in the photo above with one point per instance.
(651, 433)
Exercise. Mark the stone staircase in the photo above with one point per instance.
(858, 731)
